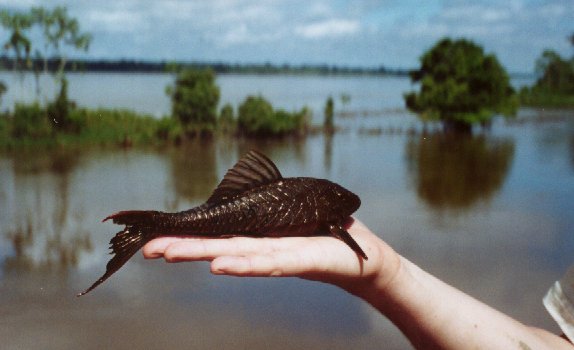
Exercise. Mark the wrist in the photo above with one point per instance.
(379, 276)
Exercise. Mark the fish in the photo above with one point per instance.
(253, 199)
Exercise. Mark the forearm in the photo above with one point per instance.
(434, 315)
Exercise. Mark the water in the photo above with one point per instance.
(145, 93)
(489, 214)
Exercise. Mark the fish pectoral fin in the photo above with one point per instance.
(338, 231)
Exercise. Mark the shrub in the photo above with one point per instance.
(257, 118)
(194, 99)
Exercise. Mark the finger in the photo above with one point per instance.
(284, 263)
(210, 248)
(318, 256)
(156, 247)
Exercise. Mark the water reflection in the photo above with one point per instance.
(45, 231)
(457, 171)
(194, 170)
(328, 152)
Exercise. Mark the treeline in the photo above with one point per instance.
(555, 84)
(144, 66)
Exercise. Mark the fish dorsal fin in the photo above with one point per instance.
(253, 170)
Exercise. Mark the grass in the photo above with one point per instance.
(99, 127)
(534, 97)
(547, 100)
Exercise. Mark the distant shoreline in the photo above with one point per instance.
(163, 66)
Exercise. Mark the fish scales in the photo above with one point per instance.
(240, 216)
(253, 199)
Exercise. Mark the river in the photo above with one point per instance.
(490, 214)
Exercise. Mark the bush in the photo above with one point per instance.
(257, 118)
(194, 99)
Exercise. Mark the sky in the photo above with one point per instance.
(368, 33)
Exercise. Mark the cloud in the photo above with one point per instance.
(328, 28)
(353, 32)
(116, 21)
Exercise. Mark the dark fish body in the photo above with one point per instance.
(254, 200)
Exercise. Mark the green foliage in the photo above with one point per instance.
(328, 123)
(226, 122)
(460, 84)
(257, 118)
(58, 30)
(116, 126)
(194, 99)
(59, 111)
(29, 127)
(17, 23)
(30, 121)
(555, 85)
(5, 129)
(3, 89)
(169, 129)
(556, 74)
(538, 98)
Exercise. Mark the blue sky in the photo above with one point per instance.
(368, 33)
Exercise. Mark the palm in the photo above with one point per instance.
(320, 258)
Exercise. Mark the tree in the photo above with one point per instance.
(555, 84)
(555, 73)
(460, 85)
(59, 30)
(17, 23)
(194, 99)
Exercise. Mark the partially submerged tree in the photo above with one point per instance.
(555, 73)
(194, 99)
(461, 85)
(555, 84)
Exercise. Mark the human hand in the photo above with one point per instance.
(320, 258)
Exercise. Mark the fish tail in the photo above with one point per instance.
(138, 231)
